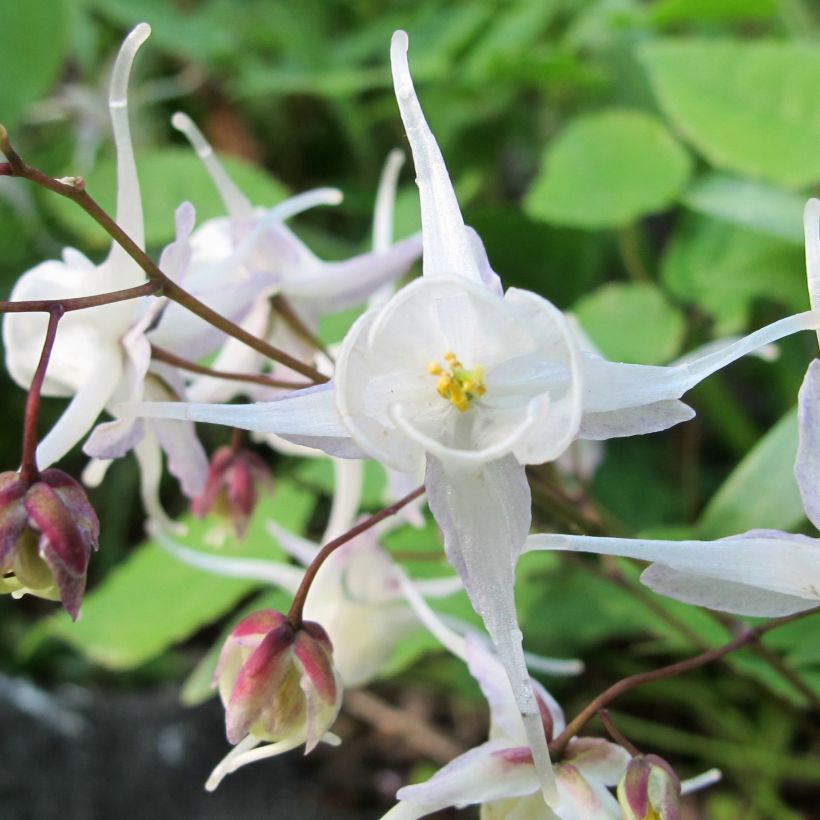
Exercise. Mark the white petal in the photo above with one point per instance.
(480, 775)
(383, 210)
(348, 479)
(447, 247)
(303, 550)
(721, 594)
(306, 417)
(149, 458)
(701, 781)
(634, 421)
(484, 513)
(807, 464)
(129, 203)
(187, 460)
(113, 439)
(811, 228)
(275, 573)
(614, 386)
(757, 573)
(83, 410)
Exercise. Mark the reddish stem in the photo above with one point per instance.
(28, 468)
(295, 612)
(749, 636)
(81, 302)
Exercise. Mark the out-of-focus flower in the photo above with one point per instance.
(500, 775)
(48, 530)
(231, 489)
(278, 685)
(649, 790)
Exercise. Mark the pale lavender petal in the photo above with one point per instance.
(613, 386)
(598, 759)
(332, 286)
(187, 460)
(807, 464)
(492, 771)
(757, 573)
(113, 439)
(448, 250)
(484, 513)
(634, 421)
(149, 458)
(306, 417)
(176, 256)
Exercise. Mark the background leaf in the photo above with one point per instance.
(607, 169)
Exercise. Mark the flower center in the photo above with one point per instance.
(455, 383)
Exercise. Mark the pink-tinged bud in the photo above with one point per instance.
(231, 487)
(276, 682)
(649, 790)
(48, 530)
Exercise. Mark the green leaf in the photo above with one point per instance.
(750, 204)
(747, 107)
(632, 322)
(34, 41)
(723, 269)
(607, 169)
(168, 177)
(761, 492)
(674, 12)
(152, 600)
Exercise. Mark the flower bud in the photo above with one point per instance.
(231, 486)
(649, 790)
(48, 530)
(276, 682)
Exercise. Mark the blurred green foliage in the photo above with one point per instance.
(642, 163)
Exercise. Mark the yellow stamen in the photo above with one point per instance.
(456, 384)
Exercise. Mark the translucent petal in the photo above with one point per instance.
(634, 421)
(807, 464)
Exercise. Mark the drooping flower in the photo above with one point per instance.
(454, 376)
(278, 685)
(500, 776)
(48, 530)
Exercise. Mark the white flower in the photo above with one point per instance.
(454, 375)
(500, 775)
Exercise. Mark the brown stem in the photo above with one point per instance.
(73, 188)
(617, 689)
(28, 468)
(81, 302)
(292, 319)
(162, 355)
(295, 612)
(615, 734)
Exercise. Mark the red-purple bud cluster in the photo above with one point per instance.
(48, 530)
(231, 487)
(278, 683)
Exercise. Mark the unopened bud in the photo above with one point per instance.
(231, 487)
(649, 790)
(48, 530)
(278, 683)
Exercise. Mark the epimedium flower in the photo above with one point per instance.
(48, 530)
(281, 264)
(456, 377)
(278, 685)
(500, 776)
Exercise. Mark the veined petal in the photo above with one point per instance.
(484, 513)
(447, 247)
(807, 464)
(306, 417)
(634, 421)
(765, 573)
(187, 460)
(492, 771)
(614, 386)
